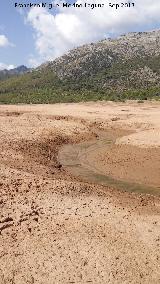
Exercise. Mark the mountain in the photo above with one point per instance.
(127, 67)
(12, 72)
(93, 58)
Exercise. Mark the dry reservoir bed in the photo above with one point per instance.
(64, 216)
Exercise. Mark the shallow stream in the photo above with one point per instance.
(74, 158)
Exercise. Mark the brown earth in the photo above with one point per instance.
(55, 228)
(126, 162)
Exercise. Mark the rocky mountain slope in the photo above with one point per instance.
(126, 67)
(5, 74)
(90, 58)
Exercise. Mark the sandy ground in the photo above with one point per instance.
(126, 162)
(55, 228)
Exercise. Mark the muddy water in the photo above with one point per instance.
(74, 159)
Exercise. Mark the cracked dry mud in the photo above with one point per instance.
(57, 228)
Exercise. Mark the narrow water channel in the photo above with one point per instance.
(74, 158)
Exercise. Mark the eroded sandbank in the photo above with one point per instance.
(124, 167)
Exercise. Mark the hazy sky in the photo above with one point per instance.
(32, 36)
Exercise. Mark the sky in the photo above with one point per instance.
(31, 36)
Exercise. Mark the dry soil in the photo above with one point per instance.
(56, 228)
